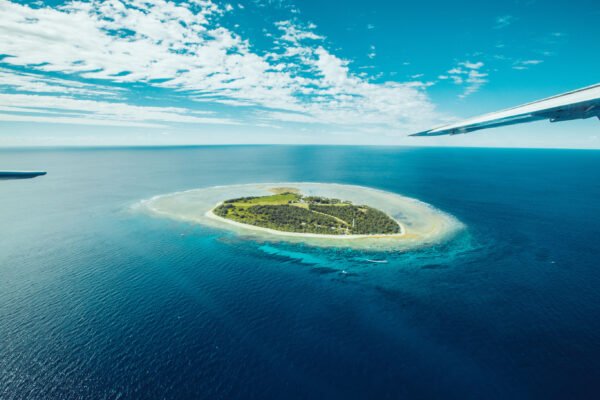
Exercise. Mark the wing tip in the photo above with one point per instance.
(436, 132)
(420, 134)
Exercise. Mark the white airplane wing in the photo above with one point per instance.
(578, 104)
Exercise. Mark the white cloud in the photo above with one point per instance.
(333, 69)
(475, 80)
(78, 120)
(467, 73)
(181, 47)
(36, 83)
(295, 34)
(504, 21)
(36, 108)
(372, 53)
(525, 64)
(471, 65)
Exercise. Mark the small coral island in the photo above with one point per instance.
(290, 211)
(316, 214)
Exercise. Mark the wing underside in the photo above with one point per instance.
(578, 104)
(5, 175)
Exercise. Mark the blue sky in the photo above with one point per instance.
(276, 71)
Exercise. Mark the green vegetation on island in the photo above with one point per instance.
(292, 212)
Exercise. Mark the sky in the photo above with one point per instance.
(157, 72)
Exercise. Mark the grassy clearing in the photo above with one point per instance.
(276, 199)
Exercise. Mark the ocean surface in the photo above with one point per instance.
(99, 301)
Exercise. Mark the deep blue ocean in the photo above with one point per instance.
(98, 301)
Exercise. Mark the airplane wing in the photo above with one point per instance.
(20, 174)
(578, 104)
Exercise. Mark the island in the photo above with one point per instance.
(292, 212)
(310, 213)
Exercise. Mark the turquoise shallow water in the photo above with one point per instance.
(99, 301)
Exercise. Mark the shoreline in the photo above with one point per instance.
(213, 216)
(421, 224)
